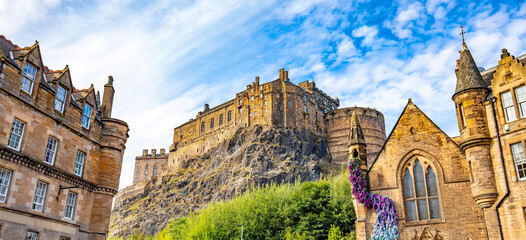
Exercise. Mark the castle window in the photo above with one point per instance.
(289, 104)
(261, 95)
(277, 95)
(507, 104)
(146, 167)
(211, 123)
(31, 235)
(29, 78)
(40, 195)
(137, 172)
(462, 114)
(86, 116)
(240, 103)
(421, 193)
(17, 132)
(220, 119)
(250, 114)
(260, 87)
(304, 98)
(252, 90)
(265, 103)
(255, 105)
(240, 110)
(146, 174)
(255, 113)
(154, 172)
(137, 178)
(203, 126)
(520, 93)
(519, 159)
(70, 205)
(79, 163)
(304, 108)
(229, 116)
(5, 178)
(51, 149)
(60, 99)
(252, 98)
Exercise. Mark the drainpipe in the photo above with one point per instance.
(493, 99)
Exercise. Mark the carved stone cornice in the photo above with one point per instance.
(51, 171)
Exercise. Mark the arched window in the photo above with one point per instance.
(421, 193)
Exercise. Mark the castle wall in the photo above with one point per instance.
(278, 103)
(337, 125)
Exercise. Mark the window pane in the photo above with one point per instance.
(86, 116)
(31, 236)
(411, 210)
(520, 93)
(507, 104)
(431, 183)
(519, 159)
(70, 205)
(5, 177)
(51, 149)
(408, 185)
(79, 163)
(422, 209)
(434, 206)
(40, 194)
(17, 130)
(419, 180)
(61, 97)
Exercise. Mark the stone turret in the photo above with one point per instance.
(475, 139)
(357, 146)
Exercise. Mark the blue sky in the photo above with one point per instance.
(168, 58)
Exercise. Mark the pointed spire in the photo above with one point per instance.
(356, 133)
(468, 75)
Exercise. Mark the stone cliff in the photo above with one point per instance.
(252, 156)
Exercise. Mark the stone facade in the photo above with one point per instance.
(150, 165)
(276, 103)
(467, 187)
(60, 152)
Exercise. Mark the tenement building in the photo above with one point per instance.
(60, 151)
(277, 103)
(150, 165)
(467, 187)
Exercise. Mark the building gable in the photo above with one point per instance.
(416, 135)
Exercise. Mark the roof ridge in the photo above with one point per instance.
(9, 41)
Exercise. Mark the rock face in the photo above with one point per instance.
(253, 156)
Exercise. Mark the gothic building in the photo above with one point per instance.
(467, 187)
(60, 151)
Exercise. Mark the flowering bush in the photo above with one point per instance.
(386, 225)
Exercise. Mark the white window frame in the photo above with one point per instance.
(79, 163)
(5, 179)
(86, 117)
(40, 196)
(507, 104)
(51, 150)
(70, 205)
(520, 95)
(61, 92)
(30, 72)
(305, 108)
(17, 134)
(30, 235)
(517, 152)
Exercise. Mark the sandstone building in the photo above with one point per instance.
(150, 165)
(60, 151)
(467, 187)
(278, 103)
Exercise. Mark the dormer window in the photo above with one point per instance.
(86, 116)
(29, 78)
(60, 99)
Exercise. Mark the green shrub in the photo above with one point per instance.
(309, 210)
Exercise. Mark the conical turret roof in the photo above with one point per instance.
(356, 133)
(468, 74)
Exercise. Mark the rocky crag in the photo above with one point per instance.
(253, 156)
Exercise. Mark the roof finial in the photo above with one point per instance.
(462, 32)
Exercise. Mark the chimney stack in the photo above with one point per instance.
(207, 107)
(162, 151)
(154, 151)
(257, 81)
(107, 99)
(144, 152)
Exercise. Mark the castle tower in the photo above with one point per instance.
(475, 139)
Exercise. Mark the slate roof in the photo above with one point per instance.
(468, 74)
(5, 47)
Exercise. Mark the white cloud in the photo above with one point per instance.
(368, 34)
(14, 15)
